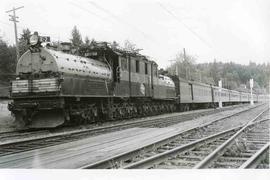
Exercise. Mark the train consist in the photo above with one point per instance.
(56, 87)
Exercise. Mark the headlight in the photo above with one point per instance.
(33, 40)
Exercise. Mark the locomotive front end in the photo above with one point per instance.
(37, 88)
(36, 102)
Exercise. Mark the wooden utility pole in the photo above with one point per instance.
(187, 68)
(13, 18)
(184, 53)
(176, 67)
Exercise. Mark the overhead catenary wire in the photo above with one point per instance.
(87, 10)
(121, 21)
(181, 22)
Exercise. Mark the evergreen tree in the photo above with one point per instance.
(87, 41)
(7, 60)
(76, 38)
(23, 41)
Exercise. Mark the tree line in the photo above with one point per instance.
(234, 76)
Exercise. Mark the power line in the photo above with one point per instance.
(120, 20)
(188, 28)
(14, 19)
(87, 10)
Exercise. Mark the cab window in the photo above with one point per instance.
(146, 68)
(137, 66)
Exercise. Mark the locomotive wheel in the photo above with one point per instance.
(140, 111)
(82, 113)
(128, 110)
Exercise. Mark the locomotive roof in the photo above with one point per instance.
(57, 61)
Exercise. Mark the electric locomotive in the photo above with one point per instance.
(56, 87)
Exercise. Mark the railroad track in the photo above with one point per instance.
(197, 154)
(259, 160)
(238, 150)
(21, 133)
(4, 136)
(46, 138)
(144, 157)
(189, 155)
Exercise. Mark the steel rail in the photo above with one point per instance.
(221, 149)
(108, 162)
(254, 160)
(110, 127)
(139, 122)
(162, 156)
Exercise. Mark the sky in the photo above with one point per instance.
(225, 30)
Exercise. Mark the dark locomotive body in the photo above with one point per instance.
(103, 83)
(54, 87)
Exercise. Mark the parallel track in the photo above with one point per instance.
(127, 160)
(259, 160)
(194, 154)
(239, 148)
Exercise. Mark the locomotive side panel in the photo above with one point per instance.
(140, 81)
(135, 77)
(122, 89)
(84, 87)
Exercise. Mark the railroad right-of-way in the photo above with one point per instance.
(130, 148)
(27, 139)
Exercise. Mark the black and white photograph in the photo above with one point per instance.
(150, 85)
